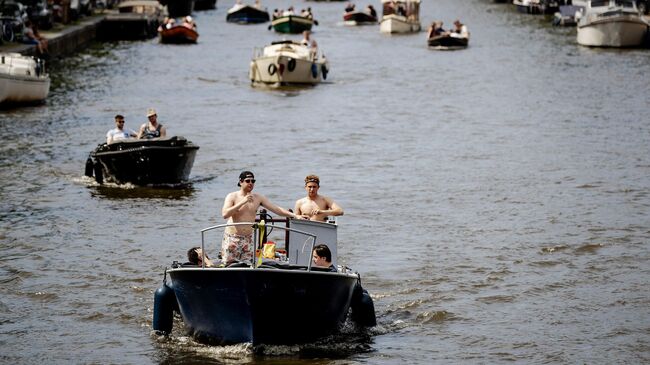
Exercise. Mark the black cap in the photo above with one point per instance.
(244, 175)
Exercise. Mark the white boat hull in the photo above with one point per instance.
(20, 82)
(621, 31)
(276, 70)
(399, 24)
(288, 62)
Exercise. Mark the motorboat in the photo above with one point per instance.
(448, 41)
(293, 24)
(611, 23)
(359, 18)
(400, 16)
(178, 34)
(566, 16)
(247, 14)
(288, 62)
(156, 161)
(136, 19)
(280, 298)
(536, 6)
(23, 79)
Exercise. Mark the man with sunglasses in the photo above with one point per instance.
(241, 206)
(119, 133)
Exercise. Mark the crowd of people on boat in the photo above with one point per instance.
(305, 13)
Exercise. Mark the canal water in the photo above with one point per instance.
(496, 198)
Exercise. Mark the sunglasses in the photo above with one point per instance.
(249, 181)
(120, 121)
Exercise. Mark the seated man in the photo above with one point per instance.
(119, 133)
(195, 257)
(322, 257)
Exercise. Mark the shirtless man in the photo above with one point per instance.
(316, 207)
(241, 206)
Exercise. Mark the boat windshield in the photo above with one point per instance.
(302, 242)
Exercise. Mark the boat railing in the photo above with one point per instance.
(259, 229)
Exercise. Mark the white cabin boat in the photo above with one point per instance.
(288, 62)
(611, 23)
(23, 79)
(400, 16)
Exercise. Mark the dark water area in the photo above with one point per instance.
(496, 198)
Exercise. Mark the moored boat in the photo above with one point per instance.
(293, 24)
(23, 79)
(536, 6)
(288, 62)
(610, 23)
(275, 300)
(154, 161)
(178, 34)
(136, 19)
(247, 14)
(400, 16)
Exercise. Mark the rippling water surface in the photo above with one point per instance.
(496, 198)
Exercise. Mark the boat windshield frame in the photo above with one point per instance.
(256, 227)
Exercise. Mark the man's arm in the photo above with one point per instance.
(276, 209)
(334, 209)
(296, 207)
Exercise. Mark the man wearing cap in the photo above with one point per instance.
(152, 129)
(316, 207)
(119, 133)
(241, 206)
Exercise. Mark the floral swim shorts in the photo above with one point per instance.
(236, 247)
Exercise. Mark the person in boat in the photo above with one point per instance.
(400, 9)
(152, 129)
(188, 22)
(119, 133)
(31, 36)
(436, 29)
(309, 14)
(195, 257)
(241, 206)
(289, 11)
(371, 10)
(322, 257)
(316, 207)
(349, 8)
(306, 38)
(170, 23)
(460, 29)
(258, 4)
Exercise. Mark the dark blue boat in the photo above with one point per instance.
(246, 14)
(269, 301)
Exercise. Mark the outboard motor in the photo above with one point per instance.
(363, 308)
(164, 304)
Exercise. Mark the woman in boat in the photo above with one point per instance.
(152, 129)
(460, 29)
(322, 257)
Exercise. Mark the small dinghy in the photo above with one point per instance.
(178, 34)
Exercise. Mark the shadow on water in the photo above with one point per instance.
(117, 192)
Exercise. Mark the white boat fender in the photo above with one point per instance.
(164, 302)
(324, 71)
(314, 70)
(363, 308)
(291, 65)
(272, 69)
